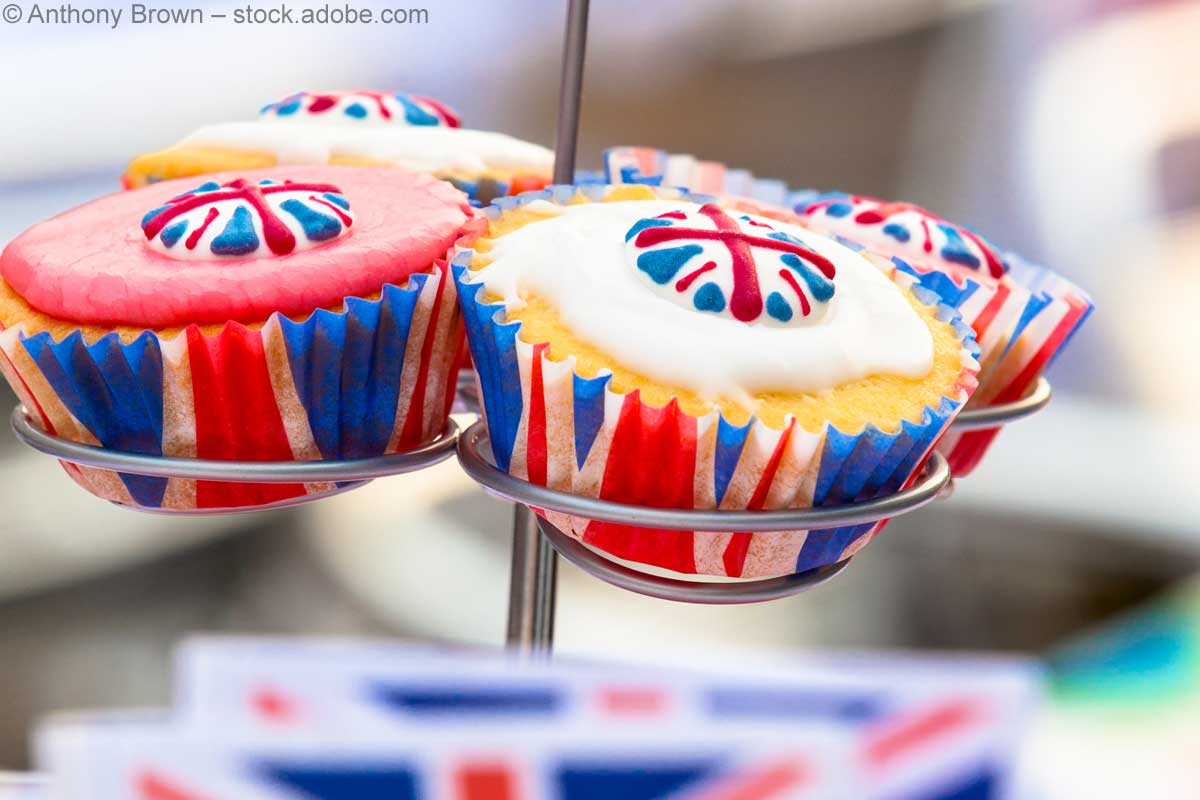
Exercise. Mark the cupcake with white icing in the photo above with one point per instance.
(356, 128)
(1023, 315)
(653, 347)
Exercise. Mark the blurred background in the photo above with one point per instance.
(1067, 131)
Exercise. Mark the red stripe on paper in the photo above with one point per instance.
(412, 434)
(651, 461)
(236, 414)
(894, 739)
(485, 781)
(738, 548)
(535, 445)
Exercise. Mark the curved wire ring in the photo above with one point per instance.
(976, 419)
(335, 471)
(934, 478)
(663, 588)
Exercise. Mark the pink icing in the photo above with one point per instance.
(92, 265)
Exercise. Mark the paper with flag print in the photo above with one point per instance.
(922, 726)
(131, 759)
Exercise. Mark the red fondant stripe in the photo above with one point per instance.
(535, 445)
(735, 553)
(236, 414)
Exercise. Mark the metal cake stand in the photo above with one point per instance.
(536, 542)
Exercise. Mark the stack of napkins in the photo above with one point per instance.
(262, 719)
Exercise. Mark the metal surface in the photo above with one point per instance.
(566, 132)
(532, 587)
(534, 571)
(354, 469)
(702, 592)
(975, 419)
(470, 454)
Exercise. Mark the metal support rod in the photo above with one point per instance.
(566, 134)
(532, 585)
(534, 575)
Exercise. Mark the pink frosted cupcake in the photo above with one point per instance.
(283, 314)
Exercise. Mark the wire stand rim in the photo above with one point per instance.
(759, 590)
(358, 470)
(995, 416)
(934, 479)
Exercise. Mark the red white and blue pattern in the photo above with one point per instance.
(1023, 315)
(905, 223)
(376, 377)
(362, 106)
(651, 167)
(737, 267)
(240, 219)
(556, 428)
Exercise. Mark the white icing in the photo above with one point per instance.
(576, 261)
(426, 149)
(203, 249)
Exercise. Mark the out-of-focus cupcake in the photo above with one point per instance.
(653, 347)
(1023, 315)
(359, 128)
(285, 314)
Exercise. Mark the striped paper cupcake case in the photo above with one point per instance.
(1021, 323)
(556, 428)
(373, 378)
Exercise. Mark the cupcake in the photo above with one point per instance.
(1023, 315)
(655, 347)
(358, 129)
(284, 314)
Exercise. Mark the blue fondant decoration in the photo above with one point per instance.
(778, 308)
(783, 237)
(709, 297)
(239, 237)
(207, 186)
(838, 209)
(955, 250)
(287, 109)
(820, 287)
(897, 232)
(337, 200)
(317, 227)
(662, 265)
(356, 110)
(414, 114)
(171, 233)
(642, 224)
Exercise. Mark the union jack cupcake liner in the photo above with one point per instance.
(373, 378)
(1021, 324)
(556, 428)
